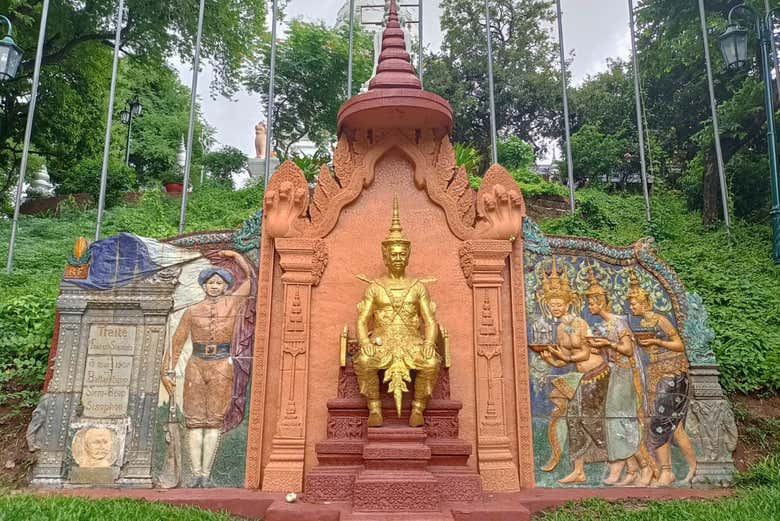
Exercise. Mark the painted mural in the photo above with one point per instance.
(205, 373)
(608, 368)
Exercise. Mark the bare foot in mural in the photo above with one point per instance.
(632, 472)
(666, 478)
(615, 470)
(630, 479)
(577, 476)
(282, 208)
(645, 476)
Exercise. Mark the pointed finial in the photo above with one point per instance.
(635, 288)
(396, 235)
(396, 225)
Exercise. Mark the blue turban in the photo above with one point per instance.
(210, 272)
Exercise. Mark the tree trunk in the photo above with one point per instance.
(710, 190)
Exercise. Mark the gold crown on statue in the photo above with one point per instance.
(635, 289)
(396, 234)
(556, 285)
(595, 287)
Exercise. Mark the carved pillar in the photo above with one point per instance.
(483, 262)
(712, 429)
(303, 262)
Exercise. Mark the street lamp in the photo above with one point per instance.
(734, 46)
(10, 53)
(133, 108)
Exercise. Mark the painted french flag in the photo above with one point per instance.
(124, 258)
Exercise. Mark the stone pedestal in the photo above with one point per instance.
(256, 167)
(396, 478)
(105, 381)
(393, 468)
(712, 428)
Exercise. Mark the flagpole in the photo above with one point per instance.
(566, 124)
(191, 126)
(351, 46)
(715, 125)
(491, 86)
(420, 38)
(639, 117)
(270, 107)
(109, 117)
(27, 134)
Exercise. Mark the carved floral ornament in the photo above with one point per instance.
(495, 212)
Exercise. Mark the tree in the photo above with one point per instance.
(605, 139)
(222, 164)
(86, 179)
(596, 154)
(606, 100)
(311, 74)
(677, 99)
(157, 133)
(527, 83)
(77, 61)
(515, 154)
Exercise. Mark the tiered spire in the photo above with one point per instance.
(395, 98)
(394, 69)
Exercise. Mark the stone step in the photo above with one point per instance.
(396, 491)
(397, 433)
(406, 516)
(397, 451)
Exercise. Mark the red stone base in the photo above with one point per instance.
(514, 506)
(393, 469)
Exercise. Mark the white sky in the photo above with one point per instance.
(594, 30)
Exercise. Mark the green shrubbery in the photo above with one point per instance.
(85, 178)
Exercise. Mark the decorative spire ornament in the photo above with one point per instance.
(556, 285)
(635, 289)
(396, 234)
(395, 97)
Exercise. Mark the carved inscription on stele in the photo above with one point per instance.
(110, 349)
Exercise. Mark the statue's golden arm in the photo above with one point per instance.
(365, 311)
(428, 317)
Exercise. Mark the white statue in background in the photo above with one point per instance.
(260, 139)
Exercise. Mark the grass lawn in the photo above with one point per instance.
(64, 508)
(750, 504)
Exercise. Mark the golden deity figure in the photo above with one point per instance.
(404, 333)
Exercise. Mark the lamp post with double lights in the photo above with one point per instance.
(133, 108)
(734, 46)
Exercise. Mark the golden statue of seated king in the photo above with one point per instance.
(404, 336)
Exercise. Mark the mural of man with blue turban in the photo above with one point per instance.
(209, 374)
